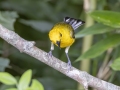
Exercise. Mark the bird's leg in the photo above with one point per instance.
(51, 49)
(69, 62)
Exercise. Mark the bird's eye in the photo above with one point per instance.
(60, 34)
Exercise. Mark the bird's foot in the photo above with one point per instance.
(69, 66)
(50, 53)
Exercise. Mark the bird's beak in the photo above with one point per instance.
(58, 43)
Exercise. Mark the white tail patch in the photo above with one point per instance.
(75, 23)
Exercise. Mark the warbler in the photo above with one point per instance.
(62, 35)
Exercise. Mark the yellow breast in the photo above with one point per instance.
(62, 32)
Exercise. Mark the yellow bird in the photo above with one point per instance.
(62, 35)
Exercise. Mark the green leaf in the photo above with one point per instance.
(36, 85)
(4, 62)
(109, 18)
(116, 64)
(94, 29)
(7, 79)
(30, 88)
(12, 89)
(25, 80)
(100, 47)
(7, 19)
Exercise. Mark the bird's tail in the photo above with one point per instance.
(75, 23)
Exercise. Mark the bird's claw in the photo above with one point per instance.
(69, 66)
(50, 53)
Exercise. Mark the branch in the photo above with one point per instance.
(28, 47)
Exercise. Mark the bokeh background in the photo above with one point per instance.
(34, 19)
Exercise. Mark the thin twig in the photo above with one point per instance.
(104, 64)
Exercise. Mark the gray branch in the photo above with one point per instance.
(28, 47)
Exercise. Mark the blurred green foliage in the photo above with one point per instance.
(101, 47)
(24, 82)
(109, 18)
(32, 20)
